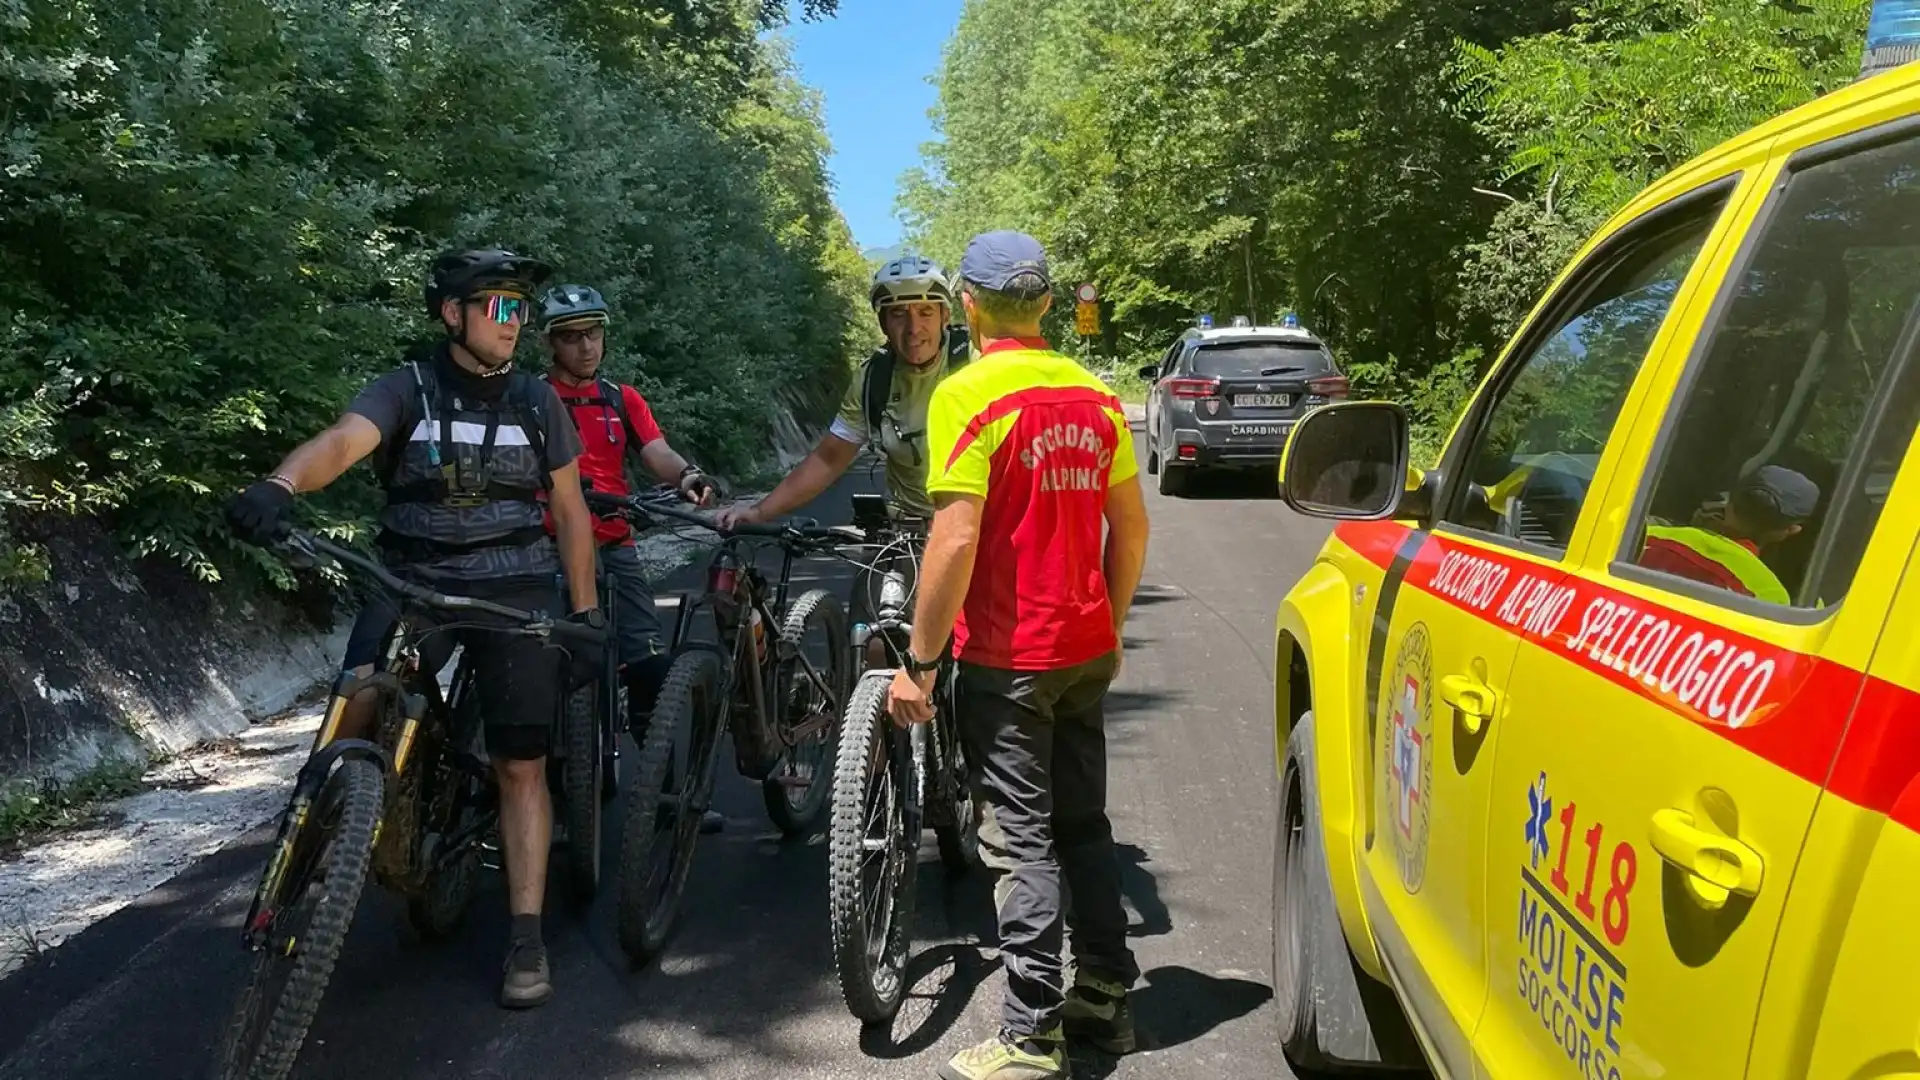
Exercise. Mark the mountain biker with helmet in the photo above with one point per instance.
(886, 406)
(616, 425)
(468, 450)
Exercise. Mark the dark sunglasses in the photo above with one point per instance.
(579, 334)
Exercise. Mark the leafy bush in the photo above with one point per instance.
(1409, 175)
(217, 215)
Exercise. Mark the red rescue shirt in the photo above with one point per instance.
(1040, 441)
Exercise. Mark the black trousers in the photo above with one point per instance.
(1038, 740)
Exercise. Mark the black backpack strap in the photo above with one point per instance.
(524, 396)
(875, 388)
(388, 463)
(613, 397)
(959, 349)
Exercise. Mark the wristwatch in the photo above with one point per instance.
(917, 666)
(594, 618)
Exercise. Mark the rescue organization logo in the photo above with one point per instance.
(1407, 753)
(1574, 920)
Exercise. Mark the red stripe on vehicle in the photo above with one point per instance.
(1793, 709)
(1374, 541)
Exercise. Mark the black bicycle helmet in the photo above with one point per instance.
(457, 275)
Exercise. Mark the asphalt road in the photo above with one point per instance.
(747, 989)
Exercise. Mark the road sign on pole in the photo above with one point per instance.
(1086, 318)
(1086, 293)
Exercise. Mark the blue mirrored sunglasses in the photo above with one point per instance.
(507, 309)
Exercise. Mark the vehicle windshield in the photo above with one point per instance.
(1251, 359)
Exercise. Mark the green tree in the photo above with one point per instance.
(217, 214)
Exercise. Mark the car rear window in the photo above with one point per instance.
(1255, 358)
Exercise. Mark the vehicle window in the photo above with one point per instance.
(1779, 454)
(1536, 449)
(1253, 359)
(1168, 361)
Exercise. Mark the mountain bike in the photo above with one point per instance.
(774, 678)
(583, 770)
(410, 806)
(888, 784)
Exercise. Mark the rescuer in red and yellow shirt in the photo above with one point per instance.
(1030, 457)
(1767, 507)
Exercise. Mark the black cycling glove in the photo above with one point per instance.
(257, 514)
(696, 486)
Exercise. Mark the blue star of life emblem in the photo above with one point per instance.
(1539, 816)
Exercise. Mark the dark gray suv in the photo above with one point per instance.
(1226, 398)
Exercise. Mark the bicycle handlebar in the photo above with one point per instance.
(535, 622)
(797, 533)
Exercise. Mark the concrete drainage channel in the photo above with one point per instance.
(192, 805)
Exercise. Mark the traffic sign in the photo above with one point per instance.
(1086, 319)
(1086, 293)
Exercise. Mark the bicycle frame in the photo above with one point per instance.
(391, 749)
(736, 590)
(937, 742)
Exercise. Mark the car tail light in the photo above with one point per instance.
(1188, 453)
(1329, 386)
(1193, 388)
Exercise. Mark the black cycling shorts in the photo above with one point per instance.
(518, 678)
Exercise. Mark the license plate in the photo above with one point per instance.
(1262, 401)
(1255, 429)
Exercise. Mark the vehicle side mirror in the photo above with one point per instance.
(1148, 372)
(1347, 461)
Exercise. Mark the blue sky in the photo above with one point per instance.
(871, 62)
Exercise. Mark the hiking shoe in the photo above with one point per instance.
(1097, 1011)
(997, 1059)
(527, 984)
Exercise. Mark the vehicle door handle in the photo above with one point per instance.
(1716, 866)
(1471, 698)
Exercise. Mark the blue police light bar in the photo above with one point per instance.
(1893, 36)
(1205, 322)
(1291, 320)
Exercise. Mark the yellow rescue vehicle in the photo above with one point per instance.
(1599, 741)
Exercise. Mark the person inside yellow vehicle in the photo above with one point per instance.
(1767, 507)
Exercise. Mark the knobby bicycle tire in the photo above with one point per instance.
(352, 797)
(872, 981)
(437, 910)
(581, 780)
(689, 700)
(821, 610)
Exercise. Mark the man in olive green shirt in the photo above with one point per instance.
(887, 407)
(914, 302)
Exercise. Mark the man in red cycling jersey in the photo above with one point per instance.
(615, 423)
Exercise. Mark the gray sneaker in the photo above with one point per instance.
(997, 1059)
(527, 985)
(1097, 1011)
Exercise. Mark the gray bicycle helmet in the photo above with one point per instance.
(569, 305)
(911, 279)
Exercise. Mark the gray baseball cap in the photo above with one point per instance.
(1776, 494)
(993, 260)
